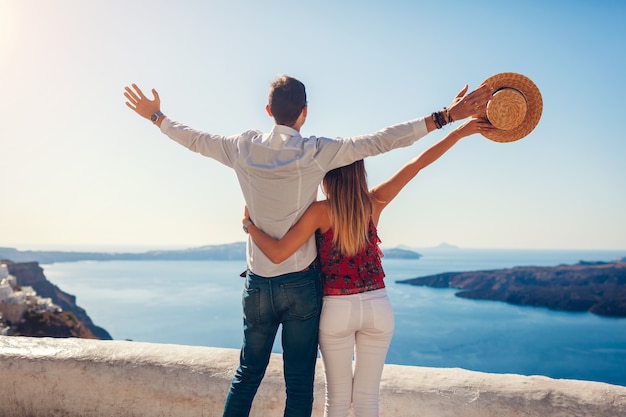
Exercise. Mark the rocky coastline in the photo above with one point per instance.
(71, 321)
(595, 287)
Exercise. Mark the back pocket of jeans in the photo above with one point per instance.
(303, 299)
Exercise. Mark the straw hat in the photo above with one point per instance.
(515, 108)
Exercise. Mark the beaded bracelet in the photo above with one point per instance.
(441, 118)
(436, 120)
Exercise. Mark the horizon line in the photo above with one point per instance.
(93, 247)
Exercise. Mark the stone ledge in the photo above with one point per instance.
(79, 377)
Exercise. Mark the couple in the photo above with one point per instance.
(279, 174)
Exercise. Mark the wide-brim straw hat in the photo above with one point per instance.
(515, 108)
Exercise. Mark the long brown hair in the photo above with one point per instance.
(349, 207)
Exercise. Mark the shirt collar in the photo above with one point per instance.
(284, 130)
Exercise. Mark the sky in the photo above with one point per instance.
(78, 169)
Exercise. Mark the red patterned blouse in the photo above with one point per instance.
(343, 275)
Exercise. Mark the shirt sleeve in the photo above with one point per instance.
(349, 150)
(218, 147)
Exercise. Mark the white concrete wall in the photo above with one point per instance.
(79, 377)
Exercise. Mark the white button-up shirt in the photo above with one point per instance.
(279, 174)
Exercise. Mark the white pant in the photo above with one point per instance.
(359, 325)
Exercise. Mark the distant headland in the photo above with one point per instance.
(233, 251)
(596, 287)
(226, 252)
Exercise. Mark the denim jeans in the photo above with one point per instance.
(293, 300)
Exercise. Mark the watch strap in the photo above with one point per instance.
(155, 117)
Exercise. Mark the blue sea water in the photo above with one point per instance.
(199, 303)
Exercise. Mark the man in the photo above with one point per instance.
(279, 173)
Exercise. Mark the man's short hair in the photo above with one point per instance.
(287, 98)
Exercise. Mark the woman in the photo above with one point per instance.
(357, 317)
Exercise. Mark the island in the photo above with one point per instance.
(595, 287)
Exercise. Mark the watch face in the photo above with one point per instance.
(154, 117)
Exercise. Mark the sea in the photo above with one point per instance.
(199, 303)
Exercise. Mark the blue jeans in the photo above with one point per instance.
(293, 300)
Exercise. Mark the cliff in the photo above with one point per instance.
(58, 325)
(599, 288)
(49, 324)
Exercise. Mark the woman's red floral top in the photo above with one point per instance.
(343, 275)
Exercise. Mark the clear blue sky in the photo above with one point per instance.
(77, 167)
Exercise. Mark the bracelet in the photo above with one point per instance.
(246, 225)
(441, 118)
(436, 120)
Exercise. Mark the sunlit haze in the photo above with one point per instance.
(78, 168)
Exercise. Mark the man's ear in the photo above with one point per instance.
(302, 117)
(269, 112)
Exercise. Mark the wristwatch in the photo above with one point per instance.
(156, 116)
(246, 224)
